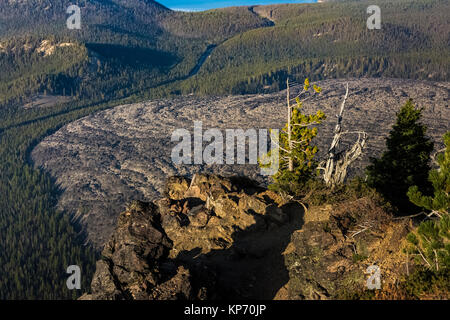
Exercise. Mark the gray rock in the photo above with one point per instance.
(134, 263)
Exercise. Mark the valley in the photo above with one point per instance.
(86, 115)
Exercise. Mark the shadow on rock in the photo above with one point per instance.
(234, 243)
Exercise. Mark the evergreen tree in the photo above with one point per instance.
(439, 203)
(406, 161)
(296, 151)
(430, 243)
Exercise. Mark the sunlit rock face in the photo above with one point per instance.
(213, 238)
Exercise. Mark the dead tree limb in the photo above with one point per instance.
(363, 227)
(336, 165)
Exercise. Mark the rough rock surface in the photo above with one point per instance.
(217, 238)
(230, 233)
(108, 159)
(329, 256)
(134, 263)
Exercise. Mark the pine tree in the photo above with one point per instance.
(296, 151)
(406, 161)
(439, 203)
(430, 243)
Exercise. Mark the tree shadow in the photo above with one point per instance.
(253, 267)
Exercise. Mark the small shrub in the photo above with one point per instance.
(423, 282)
(315, 192)
(430, 243)
(358, 257)
(439, 203)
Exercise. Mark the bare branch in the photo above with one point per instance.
(363, 229)
(305, 125)
(337, 163)
(420, 252)
(434, 155)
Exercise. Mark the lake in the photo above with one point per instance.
(199, 5)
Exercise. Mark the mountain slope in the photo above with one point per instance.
(255, 48)
(127, 46)
(331, 40)
(117, 52)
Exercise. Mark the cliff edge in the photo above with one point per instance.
(215, 238)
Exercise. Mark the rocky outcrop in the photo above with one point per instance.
(230, 232)
(214, 238)
(213, 210)
(134, 263)
(209, 238)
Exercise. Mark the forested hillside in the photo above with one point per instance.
(122, 47)
(137, 46)
(331, 40)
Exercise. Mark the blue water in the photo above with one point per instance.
(199, 5)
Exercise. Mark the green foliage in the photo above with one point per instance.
(296, 152)
(406, 161)
(440, 179)
(430, 243)
(421, 284)
(330, 40)
(216, 25)
(37, 243)
(427, 282)
(358, 257)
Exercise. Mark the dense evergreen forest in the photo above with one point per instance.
(128, 51)
(331, 40)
